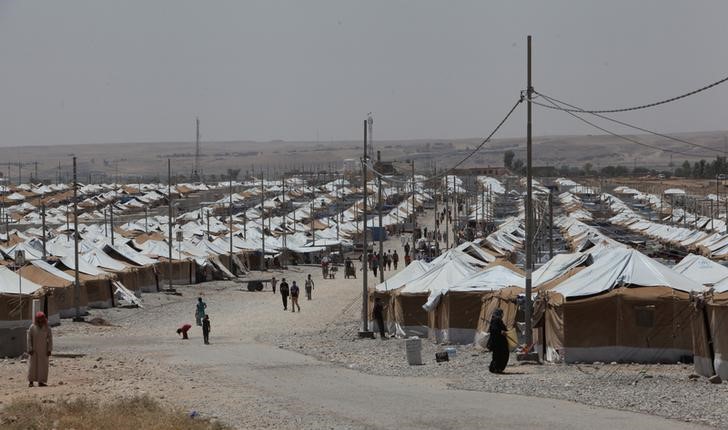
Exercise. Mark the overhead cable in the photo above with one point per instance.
(648, 105)
(666, 136)
(628, 139)
(477, 148)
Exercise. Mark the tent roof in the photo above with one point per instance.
(701, 269)
(623, 266)
(411, 272)
(439, 276)
(491, 279)
(10, 283)
(557, 266)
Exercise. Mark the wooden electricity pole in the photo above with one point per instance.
(169, 223)
(365, 254)
(381, 231)
(76, 280)
(529, 203)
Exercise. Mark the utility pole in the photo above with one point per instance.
(262, 220)
(437, 214)
(207, 212)
(338, 213)
(482, 208)
(551, 224)
(381, 230)
(312, 208)
(42, 217)
(364, 259)
(169, 223)
(447, 211)
(230, 222)
(111, 222)
(529, 204)
(196, 169)
(76, 280)
(284, 257)
(414, 210)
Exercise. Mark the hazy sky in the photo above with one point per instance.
(125, 71)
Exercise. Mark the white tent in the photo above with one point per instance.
(623, 266)
(411, 272)
(10, 283)
(491, 279)
(701, 269)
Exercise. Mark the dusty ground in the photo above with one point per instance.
(267, 368)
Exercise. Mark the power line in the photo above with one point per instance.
(649, 105)
(628, 139)
(676, 139)
(477, 148)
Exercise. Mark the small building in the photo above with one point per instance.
(482, 171)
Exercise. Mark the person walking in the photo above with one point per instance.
(389, 260)
(378, 314)
(206, 329)
(273, 283)
(284, 293)
(309, 287)
(497, 342)
(406, 249)
(294, 298)
(349, 268)
(200, 311)
(39, 347)
(375, 264)
(395, 259)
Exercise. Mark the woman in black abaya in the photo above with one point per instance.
(497, 342)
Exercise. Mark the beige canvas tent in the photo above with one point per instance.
(709, 320)
(455, 316)
(625, 307)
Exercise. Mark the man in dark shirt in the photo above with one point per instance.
(206, 329)
(294, 297)
(284, 293)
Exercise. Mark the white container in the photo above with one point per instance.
(451, 352)
(413, 346)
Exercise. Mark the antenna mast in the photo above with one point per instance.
(370, 124)
(196, 167)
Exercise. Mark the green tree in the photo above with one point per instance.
(609, 171)
(233, 173)
(508, 158)
(518, 166)
(621, 171)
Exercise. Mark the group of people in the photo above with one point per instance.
(293, 291)
(202, 319)
(383, 261)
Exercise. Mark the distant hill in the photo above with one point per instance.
(148, 160)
